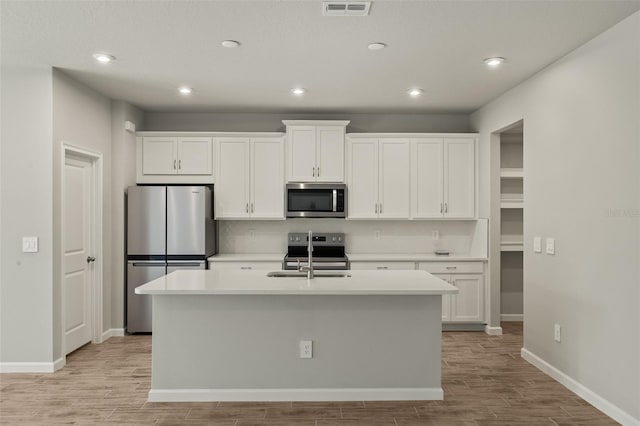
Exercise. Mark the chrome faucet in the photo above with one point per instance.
(309, 267)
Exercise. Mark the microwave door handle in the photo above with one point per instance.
(335, 200)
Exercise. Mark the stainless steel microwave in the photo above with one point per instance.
(316, 200)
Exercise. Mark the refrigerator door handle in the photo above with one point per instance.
(184, 264)
(148, 264)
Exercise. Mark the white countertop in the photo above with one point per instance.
(367, 257)
(252, 282)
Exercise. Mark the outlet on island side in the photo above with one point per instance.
(557, 332)
(376, 234)
(306, 349)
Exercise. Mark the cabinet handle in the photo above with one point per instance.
(376, 208)
(174, 164)
(318, 171)
(441, 208)
(251, 207)
(452, 267)
(245, 267)
(380, 207)
(246, 208)
(446, 209)
(382, 267)
(179, 164)
(314, 172)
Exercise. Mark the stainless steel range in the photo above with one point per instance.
(328, 251)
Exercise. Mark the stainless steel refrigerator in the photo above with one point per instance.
(168, 228)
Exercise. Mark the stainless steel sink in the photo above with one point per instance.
(317, 274)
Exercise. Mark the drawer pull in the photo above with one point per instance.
(452, 267)
(245, 267)
(382, 267)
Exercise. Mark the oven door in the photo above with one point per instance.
(314, 200)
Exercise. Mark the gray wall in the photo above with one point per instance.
(26, 208)
(123, 151)
(582, 185)
(457, 123)
(82, 118)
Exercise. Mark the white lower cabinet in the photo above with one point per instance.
(468, 305)
(266, 266)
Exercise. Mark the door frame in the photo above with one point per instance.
(96, 245)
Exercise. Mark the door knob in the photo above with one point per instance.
(91, 259)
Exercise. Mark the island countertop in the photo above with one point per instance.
(256, 282)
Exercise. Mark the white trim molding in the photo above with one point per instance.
(611, 410)
(493, 331)
(512, 317)
(112, 332)
(32, 367)
(321, 394)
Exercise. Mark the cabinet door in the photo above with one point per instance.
(249, 265)
(267, 178)
(394, 193)
(383, 266)
(468, 304)
(427, 175)
(459, 180)
(446, 299)
(301, 153)
(363, 178)
(195, 156)
(330, 154)
(159, 156)
(232, 178)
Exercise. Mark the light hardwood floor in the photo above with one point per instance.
(484, 379)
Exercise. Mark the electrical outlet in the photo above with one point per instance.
(252, 234)
(537, 244)
(435, 235)
(557, 336)
(551, 246)
(376, 234)
(306, 349)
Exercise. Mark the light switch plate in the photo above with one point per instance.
(29, 244)
(551, 246)
(537, 244)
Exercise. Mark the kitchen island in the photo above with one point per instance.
(235, 335)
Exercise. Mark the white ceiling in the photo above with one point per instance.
(436, 45)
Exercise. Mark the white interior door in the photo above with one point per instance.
(78, 255)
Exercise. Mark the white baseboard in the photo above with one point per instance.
(32, 367)
(493, 331)
(112, 332)
(512, 317)
(582, 391)
(353, 394)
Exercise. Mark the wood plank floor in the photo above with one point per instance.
(484, 379)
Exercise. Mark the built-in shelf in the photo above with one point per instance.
(511, 173)
(511, 243)
(511, 203)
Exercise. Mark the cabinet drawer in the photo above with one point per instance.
(452, 267)
(270, 266)
(383, 265)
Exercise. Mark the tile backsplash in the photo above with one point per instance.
(401, 236)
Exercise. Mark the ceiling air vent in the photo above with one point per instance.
(346, 8)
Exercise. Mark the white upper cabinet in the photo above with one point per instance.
(459, 181)
(443, 177)
(250, 178)
(315, 151)
(174, 159)
(379, 178)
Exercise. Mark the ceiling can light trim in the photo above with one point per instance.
(376, 46)
(298, 91)
(185, 90)
(415, 92)
(494, 61)
(346, 8)
(103, 58)
(230, 44)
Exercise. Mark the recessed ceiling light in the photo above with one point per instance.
(104, 58)
(376, 46)
(494, 62)
(415, 92)
(298, 91)
(185, 90)
(230, 44)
